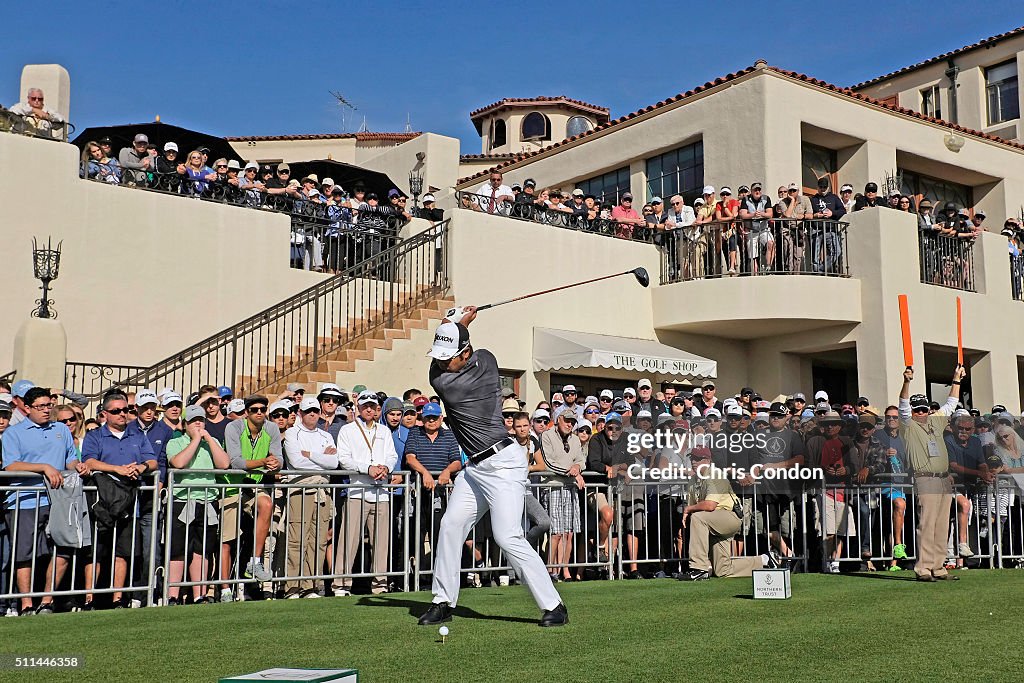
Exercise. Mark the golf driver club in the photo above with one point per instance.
(639, 273)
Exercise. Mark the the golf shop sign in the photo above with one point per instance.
(668, 366)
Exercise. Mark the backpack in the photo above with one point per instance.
(115, 501)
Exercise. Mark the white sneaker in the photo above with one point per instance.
(11, 612)
(254, 570)
(964, 550)
(136, 603)
(833, 567)
(341, 593)
(226, 595)
(293, 596)
(311, 595)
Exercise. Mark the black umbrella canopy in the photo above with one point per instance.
(346, 175)
(159, 133)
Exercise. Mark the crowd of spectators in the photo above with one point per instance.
(589, 503)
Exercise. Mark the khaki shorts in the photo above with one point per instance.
(838, 518)
(229, 509)
(596, 500)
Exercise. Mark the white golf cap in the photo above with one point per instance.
(709, 189)
(328, 181)
(607, 393)
(820, 396)
(449, 340)
(427, 198)
(236, 406)
(733, 410)
(169, 397)
(629, 391)
(569, 387)
(330, 390)
(644, 384)
(309, 403)
(644, 414)
(541, 413)
(145, 397)
(367, 396)
(276, 406)
(170, 146)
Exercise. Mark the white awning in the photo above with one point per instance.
(562, 349)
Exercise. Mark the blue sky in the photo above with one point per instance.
(267, 68)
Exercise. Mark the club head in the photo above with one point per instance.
(642, 277)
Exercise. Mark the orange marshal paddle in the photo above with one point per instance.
(908, 347)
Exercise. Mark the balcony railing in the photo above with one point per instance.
(1017, 276)
(750, 247)
(947, 261)
(34, 127)
(559, 218)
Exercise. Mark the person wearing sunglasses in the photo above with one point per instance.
(606, 452)
(929, 462)
(37, 446)
(253, 444)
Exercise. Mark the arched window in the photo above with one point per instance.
(577, 126)
(536, 127)
(498, 137)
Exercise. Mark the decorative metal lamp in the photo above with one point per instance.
(415, 186)
(46, 268)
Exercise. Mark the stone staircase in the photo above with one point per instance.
(380, 338)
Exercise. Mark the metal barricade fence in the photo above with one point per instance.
(313, 526)
(30, 561)
(865, 523)
(947, 261)
(1002, 504)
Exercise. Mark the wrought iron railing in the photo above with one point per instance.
(9, 376)
(92, 379)
(297, 333)
(1017, 276)
(43, 129)
(564, 217)
(750, 247)
(947, 261)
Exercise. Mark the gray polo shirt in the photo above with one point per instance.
(472, 401)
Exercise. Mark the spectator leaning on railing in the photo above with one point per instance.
(44, 120)
(96, 165)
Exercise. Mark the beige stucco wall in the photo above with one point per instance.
(513, 118)
(54, 81)
(142, 275)
(343, 150)
(440, 165)
(972, 108)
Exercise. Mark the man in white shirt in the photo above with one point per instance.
(310, 509)
(36, 116)
(494, 197)
(365, 447)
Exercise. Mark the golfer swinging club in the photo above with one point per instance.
(494, 479)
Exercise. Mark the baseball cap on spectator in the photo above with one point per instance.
(847, 187)
(798, 396)
(194, 412)
(557, 398)
(867, 419)
(644, 415)
(169, 397)
(296, 388)
(733, 410)
(408, 407)
(431, 409)
(708, 189)
(145, 397)
(420, 401)
(622, 407)
(820, 395)
(288, 403)
(918, 401)
(980, 212)
(742, 189)
(284, 167)
(529, 182)
(999, 408)
(236, 406)
(823, 181)
(755, 186)
(894, 193)
(657, 200)
(516, 186)
(367, 397)
(170, 147)
(761, 417)
(141, 137)
(449, 340)
(255, 400)
(277, 406)
(870, 187)
(712, 412)
(629, 391)
(725, 190)
(612, 417)
(863, 400)
(699, 201)
(607, 393)
(746, 390)
(778, 408)
(253, 165)
(627, 195)
(822, 407)
(428, 198)
(644, 384)
(793, 186)
(225, 392)
(309, 403)
(540, 413)
(312, 178)
(21, 387)
(569, 388)
(328, 182)
(393, 193)
(506, 392)
(233, 164)
(390, 404)
(579, 193)
(665, 417)
(5, 406)
(331, 390)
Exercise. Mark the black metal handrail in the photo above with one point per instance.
(1017, 276)
(541, 213)
(753, 247)
(9, 376)
(22, 124)
(296, 333)
(947, 261)
(91, 379)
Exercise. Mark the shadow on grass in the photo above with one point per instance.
(417, 608)
(886, 576)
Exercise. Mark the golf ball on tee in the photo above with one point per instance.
(443, 630)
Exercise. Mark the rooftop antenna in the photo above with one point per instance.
(344, 104)
(363, 128)
(408, 123)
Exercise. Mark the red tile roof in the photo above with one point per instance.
(393, 137)
(987, 42)
(846, 92)
(602, 113)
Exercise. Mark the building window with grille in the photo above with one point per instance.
(536, 126)
(498, 137)
(935, 190)
(931, 105)
(607, 187)
(680, 171)
(817, 162)
(1001, 92)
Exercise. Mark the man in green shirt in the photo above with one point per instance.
(194, 521)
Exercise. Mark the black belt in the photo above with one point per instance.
(488, 452)
(937, 475)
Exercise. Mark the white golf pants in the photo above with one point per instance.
(478, 489)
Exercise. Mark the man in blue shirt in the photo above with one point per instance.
(432, 449)
(41, 447)
(113, 450)
(967, 466)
